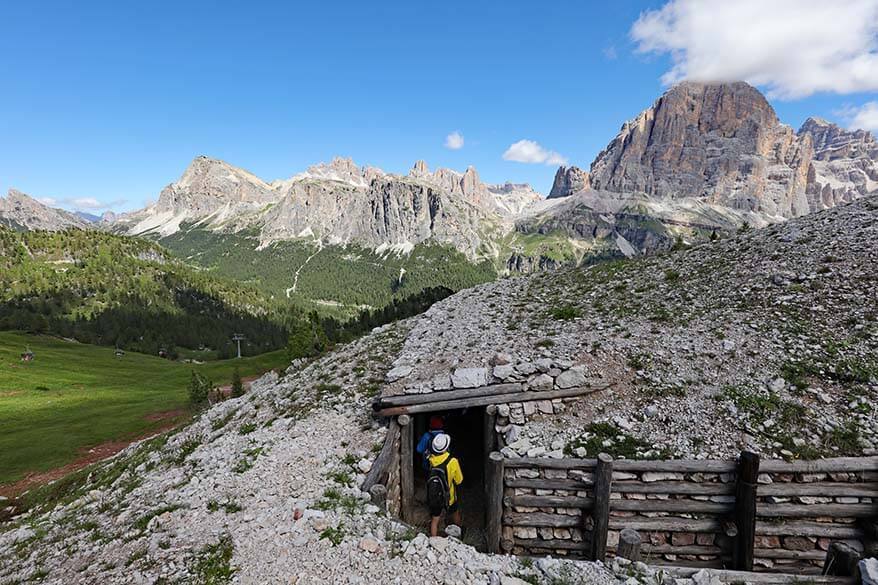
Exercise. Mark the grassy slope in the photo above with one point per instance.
(92, 397)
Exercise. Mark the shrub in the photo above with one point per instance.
(237, 384)
(199, 389)
(565, 313)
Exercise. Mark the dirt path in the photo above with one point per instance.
(168, 419)
(292, 289)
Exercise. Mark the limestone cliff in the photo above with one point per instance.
(569, 180)
(721, 143)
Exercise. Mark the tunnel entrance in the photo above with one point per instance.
(469, 445)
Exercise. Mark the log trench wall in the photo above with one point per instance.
(687, 512)
(386, 471)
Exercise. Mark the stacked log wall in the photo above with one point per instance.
(684, 510)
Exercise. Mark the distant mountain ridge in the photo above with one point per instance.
(704, 158)
(337, 203)
(22, 212)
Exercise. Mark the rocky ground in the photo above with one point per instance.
(260, 489)
(766, 340)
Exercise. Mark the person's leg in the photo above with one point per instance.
(434, 526)
(455, 517)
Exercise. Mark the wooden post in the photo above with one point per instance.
(842, 561)
(629, 545)
(488, 432)
(406, 470)
(745, 510)
(600, 514)
(381, 465)
(379, 496)
(494, 501)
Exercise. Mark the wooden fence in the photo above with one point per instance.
(744, 515)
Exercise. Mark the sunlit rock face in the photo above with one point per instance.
(569, 180)
(721, 143)
(845, 164)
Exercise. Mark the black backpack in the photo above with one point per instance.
(437, 486)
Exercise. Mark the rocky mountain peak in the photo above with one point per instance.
(21, 211)
(470, 181)
(419, 169)
(833, 142)
(569, 180)
(205, 173)
(721, 143)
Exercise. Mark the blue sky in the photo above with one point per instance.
(103, 104)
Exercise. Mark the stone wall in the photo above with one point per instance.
(684, 510)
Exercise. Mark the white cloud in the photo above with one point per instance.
(610, 53)
(863, 118)
(528, 151)
(454, 141)
(792, 47)
(47, 201)
(86, 203)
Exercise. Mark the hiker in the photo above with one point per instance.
(443, 482)
(437, 426)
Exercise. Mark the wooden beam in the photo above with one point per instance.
(745, 510)
(541, 519)
(494, 501)
(485, 400)
(782, 553)
(406, 469)
(813, 510)
(667, 524)
(409, 399)
(600, 512)
(549, 502)
(489, 435)
(675, 465)
(834, 465)
(758, 578)
(534, 543)
(670, 549)
(820, 488)
(550, 484)
(817, 529)
(675, 488)
(548, 463)
(672, 506)
(381, 465)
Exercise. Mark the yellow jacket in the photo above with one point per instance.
(455, 475)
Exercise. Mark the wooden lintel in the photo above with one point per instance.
(440, 404)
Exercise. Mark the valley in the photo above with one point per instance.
(74, 397)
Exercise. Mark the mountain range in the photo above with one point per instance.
(704, 158)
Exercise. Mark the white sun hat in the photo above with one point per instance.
(440, 443)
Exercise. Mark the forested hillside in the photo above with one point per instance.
(132, 293)
(107, 289)
(334, 280)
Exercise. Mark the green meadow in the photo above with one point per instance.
(74, 396)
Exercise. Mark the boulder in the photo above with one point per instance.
(541, 382)
(503, 372)
(469, 377)
(571, 378)
(398, 373)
